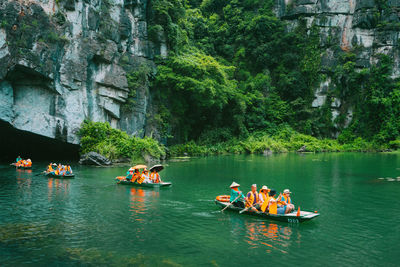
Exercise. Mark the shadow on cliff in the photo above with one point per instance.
(15, 143)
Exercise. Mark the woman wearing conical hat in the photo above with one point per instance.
(237, 196)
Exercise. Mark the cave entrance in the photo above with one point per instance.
(14, 142)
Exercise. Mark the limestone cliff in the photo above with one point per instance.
(63, 61)
(364, 27)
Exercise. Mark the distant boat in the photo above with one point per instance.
(53, 175)
(151, 185)
(21, 167)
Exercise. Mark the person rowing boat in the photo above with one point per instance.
(237, 197)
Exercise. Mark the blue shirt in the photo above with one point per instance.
(235, 194)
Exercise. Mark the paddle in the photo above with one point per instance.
(43, 172)
(245, 209)
(231, 203)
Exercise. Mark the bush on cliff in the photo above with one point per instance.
(115, 144)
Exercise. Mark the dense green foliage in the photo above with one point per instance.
(116, 144)
(375, 96)
(234, 69)
(233, 65)
(283, 140)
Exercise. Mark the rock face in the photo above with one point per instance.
(65, 61)
(93, 158)
(364, 27)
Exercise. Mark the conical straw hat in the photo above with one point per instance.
(234, 185)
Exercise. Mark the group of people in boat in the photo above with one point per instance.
(264, 200)
(59, 169)
(19, 162)
(134, 175)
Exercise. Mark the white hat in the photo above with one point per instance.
(255, 185)
(131, 169)
(286, 191)
(264, 187)
(234, 185)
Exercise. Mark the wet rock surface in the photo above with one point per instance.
(62, 62)
(93, 158)
(366, 28)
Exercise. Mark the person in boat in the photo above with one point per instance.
(62, 170)
(145, 178)
(20, 163)
(264, 197)
(50, 168)
(252, 199)
(18, 159)
(273, 202)
(69, 170)
(129, 174)
(155, 177)
(28, 163)
(58, 170)
(286, 201)
(237, 197)
(136, 175)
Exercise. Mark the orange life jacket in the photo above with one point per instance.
(288, 200)
(155, 177)
(141, 178)
(273, 206)
(253, 199)
(265, 196)
(135, 176)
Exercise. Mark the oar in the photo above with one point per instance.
(245, 209)
(231, 202)
(43, 172)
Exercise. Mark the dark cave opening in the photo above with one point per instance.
(14, 142)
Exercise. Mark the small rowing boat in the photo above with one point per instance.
(53, 175)
(151, 185)
(290, 217)
(21, 167)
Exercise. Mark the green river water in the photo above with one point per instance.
(91, 221)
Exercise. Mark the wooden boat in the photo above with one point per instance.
(151, 185)
(66, 176)
(24, 167)
(21, 167)
(290, 217)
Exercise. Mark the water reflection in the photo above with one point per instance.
(139, 199)
(24, 180)
(61, 187)
(272, 235)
